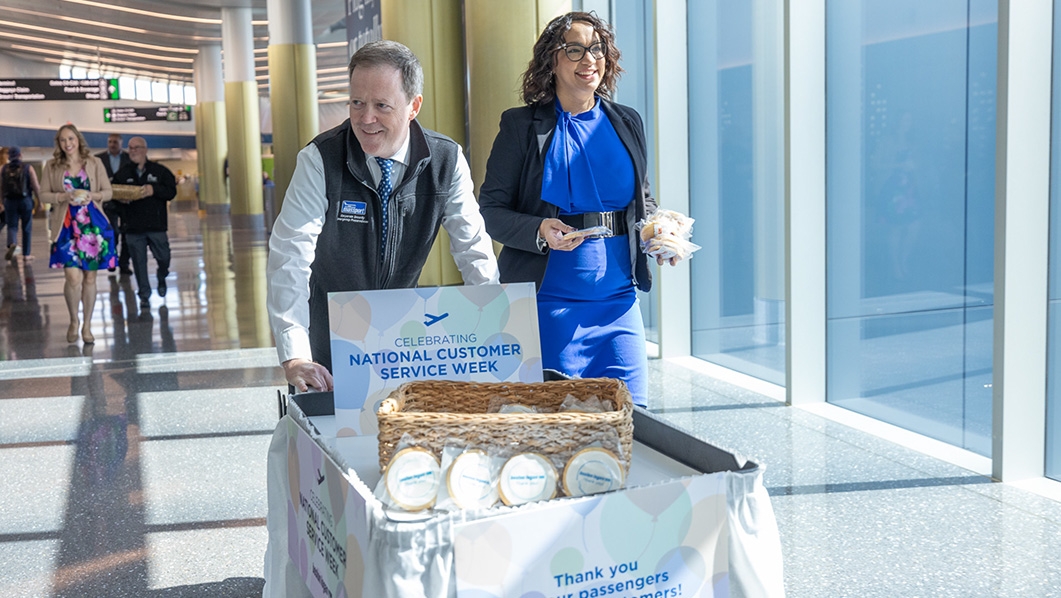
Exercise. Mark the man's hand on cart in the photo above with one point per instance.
(304, 374)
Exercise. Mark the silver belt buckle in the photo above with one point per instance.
(608, 219)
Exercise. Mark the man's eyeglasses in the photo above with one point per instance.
(137, 147)
(575, 51)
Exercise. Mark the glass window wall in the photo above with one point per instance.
(910, 213)
(159, 92)
(143, 90)
(176, 93)
(127, 88)
(736, 186)
(633, 24)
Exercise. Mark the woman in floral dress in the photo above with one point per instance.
(77, 184)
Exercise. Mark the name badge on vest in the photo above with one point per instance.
(352, 211)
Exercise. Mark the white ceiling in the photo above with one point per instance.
(154, 39)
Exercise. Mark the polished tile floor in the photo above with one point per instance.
(136, 466)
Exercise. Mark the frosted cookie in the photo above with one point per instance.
(592, 470)
(470, 481)
(413, 477)
(525, 478)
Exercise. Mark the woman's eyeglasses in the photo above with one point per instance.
(575, 51)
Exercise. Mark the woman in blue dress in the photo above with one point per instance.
(568, 160)
(76, 183)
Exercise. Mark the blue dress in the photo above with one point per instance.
(588, 312)
(86, 240)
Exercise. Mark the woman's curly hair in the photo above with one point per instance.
(539, 84)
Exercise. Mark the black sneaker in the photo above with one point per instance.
(162, 287)
(145, 303)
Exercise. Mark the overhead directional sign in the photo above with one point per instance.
(362, 23)
(31, 90)
(132, 115)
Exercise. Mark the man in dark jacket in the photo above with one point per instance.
(113, 160)
(146, 219)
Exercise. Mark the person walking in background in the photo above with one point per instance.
(146, 219)
(113, 160)
(572, 159)
(82, 239)
(3, 162)
(18, 184)
(115, 157)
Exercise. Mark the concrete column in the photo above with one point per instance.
(805, 202)
(432, 30)
(211, 139)
(498, 46)
(242, 119)
(671, 123)
(1022, 239)
(293, 94)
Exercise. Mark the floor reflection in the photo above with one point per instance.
(216, 302)
(22, 310)
(90, 505)
(101, 547)
(252, 319)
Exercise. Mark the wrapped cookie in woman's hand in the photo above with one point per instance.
(665, 236)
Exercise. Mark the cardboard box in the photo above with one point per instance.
(695, 525)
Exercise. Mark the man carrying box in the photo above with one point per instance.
(147, 218)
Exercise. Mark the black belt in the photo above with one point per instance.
(616, 221)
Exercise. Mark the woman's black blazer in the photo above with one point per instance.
(510, 197)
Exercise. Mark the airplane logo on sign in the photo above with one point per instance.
(432, 319)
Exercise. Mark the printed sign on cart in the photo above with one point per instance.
(325, 519)
(669, 540)
(381, 339)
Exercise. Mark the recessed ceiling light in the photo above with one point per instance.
(117, 71)
(156, 15)
(94, 49)
(100, 38)
(100, 62)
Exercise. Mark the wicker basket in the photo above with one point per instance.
(125, 192)
(434, 413)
